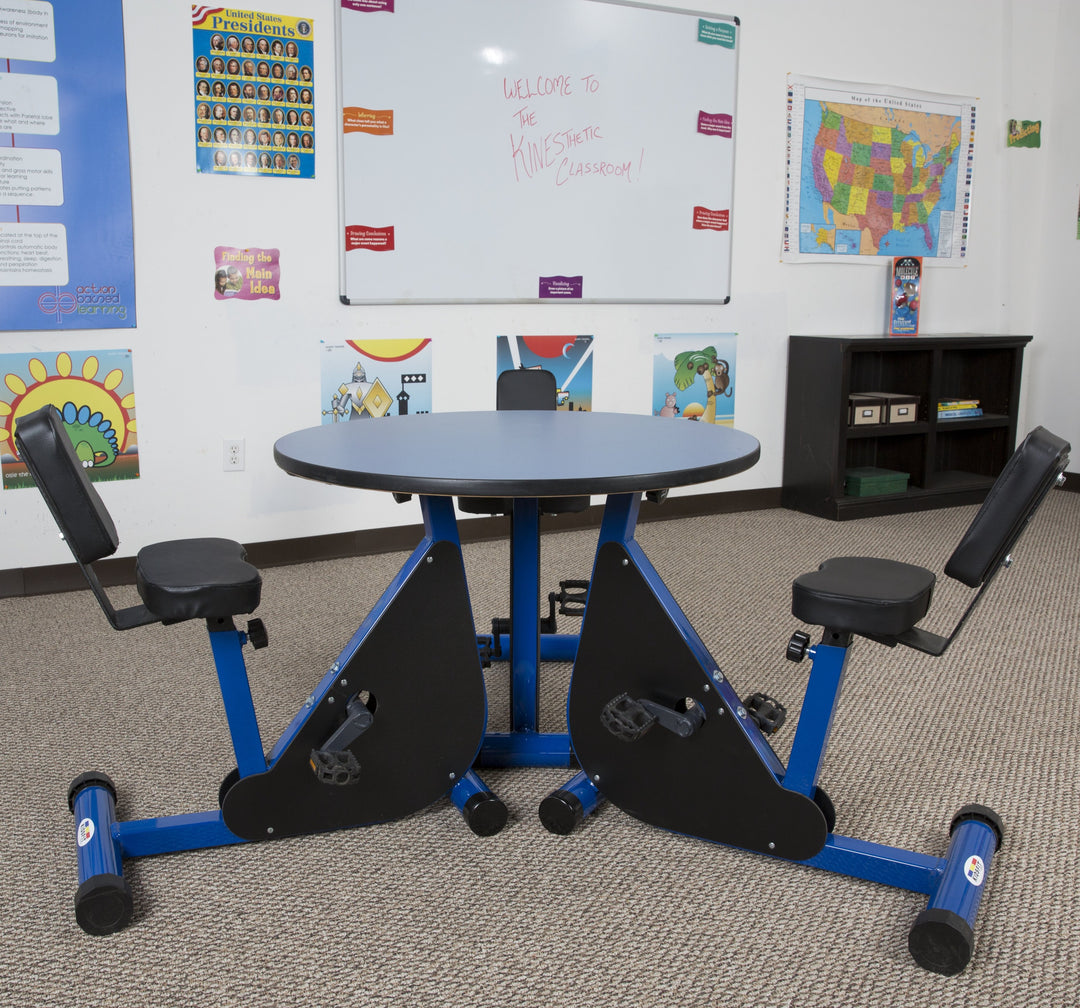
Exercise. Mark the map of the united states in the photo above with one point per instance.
(878, 174)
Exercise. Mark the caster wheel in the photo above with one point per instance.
(941, 941)
(485, 814)
(103, 904)
(561, 811)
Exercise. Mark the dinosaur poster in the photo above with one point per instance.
(694, 377)
(94, 391)
(569, 358)
(366, 379)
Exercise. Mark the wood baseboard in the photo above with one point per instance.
(67, 577)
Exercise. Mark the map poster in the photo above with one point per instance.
(254, 96)
(877, 172)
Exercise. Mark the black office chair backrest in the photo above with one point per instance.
(526, 389)
(1034, 468)
(43, 444)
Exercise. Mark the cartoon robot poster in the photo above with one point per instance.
(694, 377)
(569, 358)
(366, 379)
(94, 393)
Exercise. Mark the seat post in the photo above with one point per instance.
(226, 643)
(818, 709)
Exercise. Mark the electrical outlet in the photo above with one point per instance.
(232, 455)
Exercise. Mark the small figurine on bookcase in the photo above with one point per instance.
(905, 283)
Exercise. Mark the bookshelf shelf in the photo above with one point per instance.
(949, 461)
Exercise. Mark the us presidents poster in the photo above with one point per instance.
(877, 171)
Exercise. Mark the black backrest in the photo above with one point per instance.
(1015, 496)
(45, 447)
(526, 389)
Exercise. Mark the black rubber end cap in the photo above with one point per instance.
(561, 811)
(103, 904)
(88, 779)
(941, 941)
(983, 814)
(485, 814)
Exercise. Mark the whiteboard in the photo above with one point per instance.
(535, 151)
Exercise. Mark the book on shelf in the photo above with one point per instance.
(905, 281)
(957, 403)
(956, 414)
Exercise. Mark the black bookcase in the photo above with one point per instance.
(949, 462)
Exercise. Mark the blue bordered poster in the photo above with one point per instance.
(66, 246)
(254, 93)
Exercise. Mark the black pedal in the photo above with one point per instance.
(339, 768)
(571, 597)
(768, 714)
(625, 718)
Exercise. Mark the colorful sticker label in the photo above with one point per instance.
(711, 220)
(714, 124)
(561, 286)
(975, 870)
(377, 122)
(84, 833)
(374, 239)
(716, 33)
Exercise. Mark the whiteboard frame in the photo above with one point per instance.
(342, 174)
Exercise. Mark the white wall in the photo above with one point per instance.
(207, 370)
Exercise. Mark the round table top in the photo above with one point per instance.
(516, 453)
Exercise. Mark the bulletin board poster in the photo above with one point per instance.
(373, 378)
(254, 93)
(94, 392)
(694, 377)
(569, 358)
(66, 241)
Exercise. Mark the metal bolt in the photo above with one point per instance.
(741, 712)
(330, 699)
(596, 778)
(269, 830)
(706, 687)
(452, 775)
(430, 559)
(772, 846)
(625, 562)
(336, 667)
(343, 682)
(720, 711)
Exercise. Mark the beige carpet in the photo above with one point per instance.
(422, 912)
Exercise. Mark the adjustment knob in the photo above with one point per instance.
(797, 646)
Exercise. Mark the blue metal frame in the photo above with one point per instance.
(951, 883)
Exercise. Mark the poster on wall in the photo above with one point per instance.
(877, 171)
(66, 245)
(368, 379)
(569, 358)
(254, 93)
(694, 377)
(246, 274)
(94, 391)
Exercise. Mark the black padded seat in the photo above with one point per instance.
(863, 595)
(197, 579)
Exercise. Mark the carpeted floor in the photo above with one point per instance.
(422, 912)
